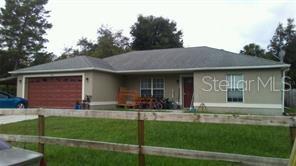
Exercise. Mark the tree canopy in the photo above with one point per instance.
(23, 24)
(284, 38)
(253, 50)
(148, 33)
(108, 43)
(290, 58)
(155, 33)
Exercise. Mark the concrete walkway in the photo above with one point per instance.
(6, 119)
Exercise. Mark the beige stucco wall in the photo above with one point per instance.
(104, 86)
(255, 92)
(171, 87)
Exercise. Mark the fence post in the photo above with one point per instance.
(41, 132)
(141, 139)
(41, 126)
(292, 134)
(292, 160)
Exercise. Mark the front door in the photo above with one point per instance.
(187, 91)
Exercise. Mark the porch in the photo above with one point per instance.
(137, 90)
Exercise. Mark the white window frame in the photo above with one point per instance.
(151, 85)
(146, 88)
(229, 85)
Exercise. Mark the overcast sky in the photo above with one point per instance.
(227, 25)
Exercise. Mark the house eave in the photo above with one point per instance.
(204, 68)
(154, 70)
(60, 71)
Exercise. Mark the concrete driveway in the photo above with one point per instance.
(6, 119)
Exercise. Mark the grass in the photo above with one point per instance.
(241, 139)
(290, 110)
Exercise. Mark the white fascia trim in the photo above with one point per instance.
(155, 70)
(61, 70)
(239, 105)
(205, 68)
(94, 103)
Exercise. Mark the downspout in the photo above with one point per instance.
(283, 89)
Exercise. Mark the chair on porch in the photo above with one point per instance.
(127, 98)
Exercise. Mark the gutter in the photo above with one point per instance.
(205, 68)
(61, 70)
(154, 70)
(283, 88)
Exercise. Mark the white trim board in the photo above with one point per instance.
(94, 103)
(239, 105)
(61, 70)
(156, 70)
(54, 75)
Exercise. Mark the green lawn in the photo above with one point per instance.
(290, 110)
(254, 140)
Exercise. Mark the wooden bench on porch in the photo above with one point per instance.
(127, 98)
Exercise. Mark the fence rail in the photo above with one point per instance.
(286, 121)
(147, 150)
(143, 150)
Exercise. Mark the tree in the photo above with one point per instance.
(86, 46)
(282, 37)
(285, 39)
(290, 32)
(7, 63)
(42, 57)
(253, 50)
(154, 33)
(23, 24)
(108, 43)
(277, 41)
(68, 53)
(290, 58)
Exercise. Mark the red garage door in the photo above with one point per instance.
(54, 92)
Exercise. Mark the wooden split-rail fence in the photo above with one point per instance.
(141, 149)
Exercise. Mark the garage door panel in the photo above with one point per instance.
(54, 92)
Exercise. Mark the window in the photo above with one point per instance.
(152, 87)
(158, 88)
(146, 88)
(235, 88)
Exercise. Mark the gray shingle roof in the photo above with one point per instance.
(182, 58)
(194, 58)
(76, 63)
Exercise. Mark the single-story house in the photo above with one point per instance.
(218, 79)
